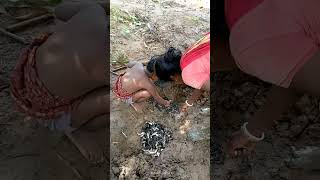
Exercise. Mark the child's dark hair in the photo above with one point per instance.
(166, 65)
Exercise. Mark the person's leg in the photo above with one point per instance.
(141, 96)
(138, 98)
(90, 117)
(88, 139)
(279, 101)
(307, 78)
(92, 105)
(97, 123)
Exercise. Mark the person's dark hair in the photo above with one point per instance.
(151, 65)
(166, 65)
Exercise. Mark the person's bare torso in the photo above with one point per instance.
(134, 78)
(70, 66)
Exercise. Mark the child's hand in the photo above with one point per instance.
(167, 103)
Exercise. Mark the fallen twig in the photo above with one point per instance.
(114, 73)
(13, 36)
(29, 22)
(120, 68)
(298, 135)
(124, 134)
(29, 16)
(9, 157)
(75, 171)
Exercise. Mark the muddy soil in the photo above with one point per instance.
(155, 26)
(294, 137)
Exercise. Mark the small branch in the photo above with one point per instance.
(9, 157)
(75, 171)
(120, 68)
(298, 135)
(114, 73)
(29, 22)
(13, 36)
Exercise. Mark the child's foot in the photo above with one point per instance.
(85, 142)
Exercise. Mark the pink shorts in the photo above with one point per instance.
(275, 39)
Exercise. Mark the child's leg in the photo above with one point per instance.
(141, 96)
(138, 98)
(89, 117)
(97, 123)
(93, 105)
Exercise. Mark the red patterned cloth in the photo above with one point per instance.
(119, 91)
(29, 93)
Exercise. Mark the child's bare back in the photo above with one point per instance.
(135, 78)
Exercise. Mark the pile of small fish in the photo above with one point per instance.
(154, 137)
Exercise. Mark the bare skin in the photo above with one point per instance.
(278, 101)
(195, 95)
(136, 81)
(72, 63)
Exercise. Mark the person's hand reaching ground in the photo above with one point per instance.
(168, 103)
(240, 145)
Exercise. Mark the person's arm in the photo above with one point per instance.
(278, 101)
(150, 87)
(196, 94)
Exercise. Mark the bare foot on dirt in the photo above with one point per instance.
(85, 142)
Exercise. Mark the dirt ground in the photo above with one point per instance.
(279, 156)
(139, 30)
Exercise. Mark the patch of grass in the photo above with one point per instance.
(120, 16)
(119, 58)
(193, 19)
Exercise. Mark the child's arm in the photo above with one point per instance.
(150, 87)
